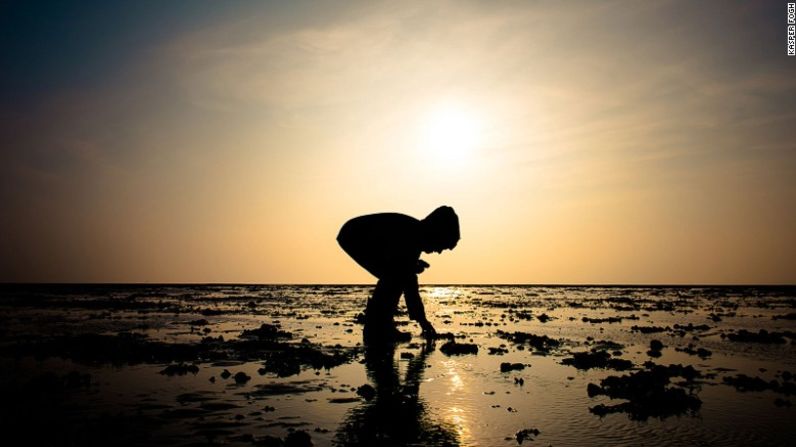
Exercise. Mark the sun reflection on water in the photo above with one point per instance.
(442, 300)
(454, 414)
(443, 292)
(457, 417)
(456, 382)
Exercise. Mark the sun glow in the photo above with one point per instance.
(450, 133)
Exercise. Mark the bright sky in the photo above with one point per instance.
(594, 142)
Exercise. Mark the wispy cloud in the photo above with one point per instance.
(643, 109)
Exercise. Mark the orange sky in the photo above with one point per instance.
(596, 142)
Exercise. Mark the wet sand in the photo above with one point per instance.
(284, 365)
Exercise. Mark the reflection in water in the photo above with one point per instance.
(454, 413)
(396, 415)
(51, 336)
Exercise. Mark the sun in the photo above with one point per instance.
(450, 133)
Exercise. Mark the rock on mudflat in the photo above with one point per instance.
(241, 378)
(648, 393)
(745, 383)
(527, 433)
(692, 350)
(266, 332)
(453, 348)
(655, 348)
(541, 343)
(506, 367)
(298, 438)
(179, 369)
(649, 329)
(762, 336)
(596, 359)
(498, 351)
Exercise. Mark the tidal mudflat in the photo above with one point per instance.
(285, 366)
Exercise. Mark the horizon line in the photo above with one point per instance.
(619, 285)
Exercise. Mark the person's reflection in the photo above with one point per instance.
(396, 415)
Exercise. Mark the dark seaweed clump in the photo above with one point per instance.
(649, 329)
(507, 367)
(266, 332)
(744, 383)
(498, 351)
(268, 342)
(648, 393)
(541, 343)
(597, 359)
(453, 348)
(692, 350)
(656, 346)
(180, 369)
(762, 336)
(690, 327)
(526, 434)
(289, 360)
(605, 320)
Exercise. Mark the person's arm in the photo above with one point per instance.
(414, 304)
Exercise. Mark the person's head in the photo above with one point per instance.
(440, 230)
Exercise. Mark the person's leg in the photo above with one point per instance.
(381, 308)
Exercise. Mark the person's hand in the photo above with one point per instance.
(428, 329)
(421, 266)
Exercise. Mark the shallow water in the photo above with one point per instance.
(421, 396)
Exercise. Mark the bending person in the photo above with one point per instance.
(388, 245)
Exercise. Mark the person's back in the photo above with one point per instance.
(388, 245)
(384, 244)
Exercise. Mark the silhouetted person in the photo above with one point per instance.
(388, 245)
